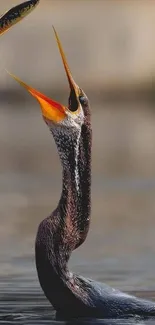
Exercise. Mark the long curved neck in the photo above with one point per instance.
(67, 227)
(75, 202)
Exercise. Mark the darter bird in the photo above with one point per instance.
(16, 14)
(72, 295)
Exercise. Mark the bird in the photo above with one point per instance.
(66, 228)
(16, 14)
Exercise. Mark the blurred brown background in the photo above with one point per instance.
(110, 47)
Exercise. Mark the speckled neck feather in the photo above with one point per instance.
(76, 193)
(67, 227)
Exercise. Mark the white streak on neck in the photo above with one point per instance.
(76, 161)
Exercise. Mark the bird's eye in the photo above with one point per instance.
(83, 100)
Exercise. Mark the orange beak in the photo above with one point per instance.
(51, 109)
(16, 14)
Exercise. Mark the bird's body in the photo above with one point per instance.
(66, 228)
(74, 296)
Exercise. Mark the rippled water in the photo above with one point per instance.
(120, 248)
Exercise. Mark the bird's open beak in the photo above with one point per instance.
(51, 109)
(16, 14)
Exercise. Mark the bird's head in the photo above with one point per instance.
(65, 122)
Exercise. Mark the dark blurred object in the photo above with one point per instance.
(16, 14)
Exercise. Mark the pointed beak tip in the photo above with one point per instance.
(71, 81)
(50, 109)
